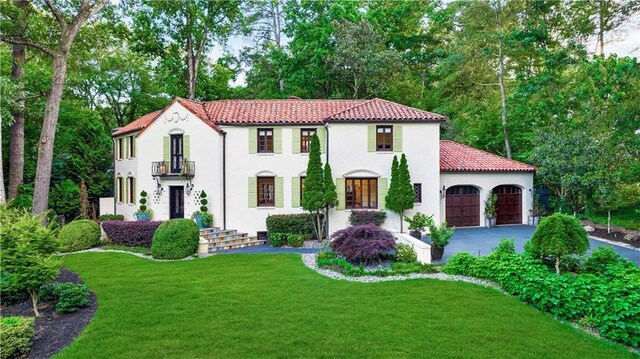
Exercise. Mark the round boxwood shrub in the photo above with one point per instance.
(175, 239)
(79, 235)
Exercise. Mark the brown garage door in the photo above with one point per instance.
(509, 205)
(463, 206)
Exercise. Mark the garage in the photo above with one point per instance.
(463, 206)
(509, 205)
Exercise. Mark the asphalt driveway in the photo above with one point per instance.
(480, 241)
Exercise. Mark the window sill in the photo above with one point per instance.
(266, 207)
(265, 153)
(361, 209)
(386, 152)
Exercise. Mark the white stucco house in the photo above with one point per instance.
(250, 157)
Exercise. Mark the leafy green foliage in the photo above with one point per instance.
(15, 336)
(401, 195)
(330, 192)
(203, 202)
(143, 202)
(65, 199)
(440, 234)
(295, 240)
(329, 260)
(27, 252)
(419, 221)
(79, 235)
(405, 253)
(111, 217)
(299, 223)
(313, 195)
(558, 236)
(505, 246)
(490, 206)
(365, 216)
(68, 296)
(277, 239)
(606, 302)
(175, 239)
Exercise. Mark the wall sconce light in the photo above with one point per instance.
(188, 188)
(443, 192)
(159, 188)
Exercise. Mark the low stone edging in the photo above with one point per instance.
(140, 255)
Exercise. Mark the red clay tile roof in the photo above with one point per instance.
(290, 111)
(456, 157)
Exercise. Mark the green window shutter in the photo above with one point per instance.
(397, 138)
(322, 136)
(371, 134)
(126, 147)
(116, 152)
(253, 140)
(134, 190)
(340, 192)
(295, 140)
(133, 146)
(253, 192)
(126, 190)
(279, 192)
(166, 148)
(277, 140)
(382, 192)
(295, 192)
(186, 148)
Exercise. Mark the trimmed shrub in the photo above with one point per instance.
(295, 240)
(111, 217)
(175, 239)
(415, 267)
(131, 233)
(608, 303)
(601, 260)
(15, 336)
(357, 218)
(277, 239)
(405, 253)
(363, 243)
(506, 246)
(79, 235)
(329, 260)
(68, 296)
(557, 237)
(302, 223)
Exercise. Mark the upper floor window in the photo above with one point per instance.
(266, 192)
(384, 138)
(265, 140)
(132, 152)
(306, 134)
(417, 189)
(120, 149)
(132, 190)
(120, 190)
(361, 193)
(176, 153)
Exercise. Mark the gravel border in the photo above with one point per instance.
(310, 261)
(140, 255)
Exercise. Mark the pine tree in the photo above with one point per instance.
(401, 195)
(313, 195)
(330, 193)
(393, 185)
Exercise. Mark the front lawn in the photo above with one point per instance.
(238, 306)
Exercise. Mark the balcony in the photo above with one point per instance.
(186, 169)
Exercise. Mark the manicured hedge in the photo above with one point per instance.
(302, 223)
(131, 233)
(280, 239)
(364, 217)
(175, 239)
(607, 301)
(79, 235)
(111, 217)
(15, 336)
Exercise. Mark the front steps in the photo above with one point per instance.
(214, 240)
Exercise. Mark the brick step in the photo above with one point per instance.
(228, 237)
(213, 235)
(209, 230)
(218, 248)
(233, 240)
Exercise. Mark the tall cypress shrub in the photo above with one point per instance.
(401, 194)
(330, 192)
(313, 195)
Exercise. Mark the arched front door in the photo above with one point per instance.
(462, 206)
(509, 206)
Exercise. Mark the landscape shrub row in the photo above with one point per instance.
(281, 239)
(331, 260)
(302, 223)
(367, 217)
(69, 297)
(79, 235)
(15, 336)
(604, 295)
(111, 217)
(131, 233)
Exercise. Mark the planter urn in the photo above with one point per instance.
(534, 220)
(437, 253)
(489, 222)
(198, 220)
(142, 216)
(416, 234)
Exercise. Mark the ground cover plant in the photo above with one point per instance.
(68, 297)
(215, 307)
(604, 296)
(15, 336)
(330, 260)
(79, 235)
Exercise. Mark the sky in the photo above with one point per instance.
(628, 44)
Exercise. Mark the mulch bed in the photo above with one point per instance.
(613, 236)
(54, 331)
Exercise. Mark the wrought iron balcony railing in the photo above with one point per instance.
(173, 169)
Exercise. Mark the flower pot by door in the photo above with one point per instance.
(534, 220)
(490, 222)
(437, 253)
(142, 216)
(198, 221)
(416, 234)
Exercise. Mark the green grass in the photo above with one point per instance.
(240, 306)
(626, 217)
(141, 250)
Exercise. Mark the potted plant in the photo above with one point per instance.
(440, 236)
(417, 224)
(491, 210)
(185, 170)
(203, 218)
(536, 211)
(143, 213)
(163, 168)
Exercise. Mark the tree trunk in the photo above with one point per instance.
(401, 220)
(34, 301)
(2, 194)
(191, 82)
(608, 221)
(16, 138)
(558, 265)
(47, 135)
(84, 201)
(600, 44)
(503, 92)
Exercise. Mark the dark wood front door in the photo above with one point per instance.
(509, 205)
(176, 202)
(463, 206)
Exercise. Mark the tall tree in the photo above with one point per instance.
(192, 26)
(330, 192)
(400, 196)
(313, 196)
(70, 21)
